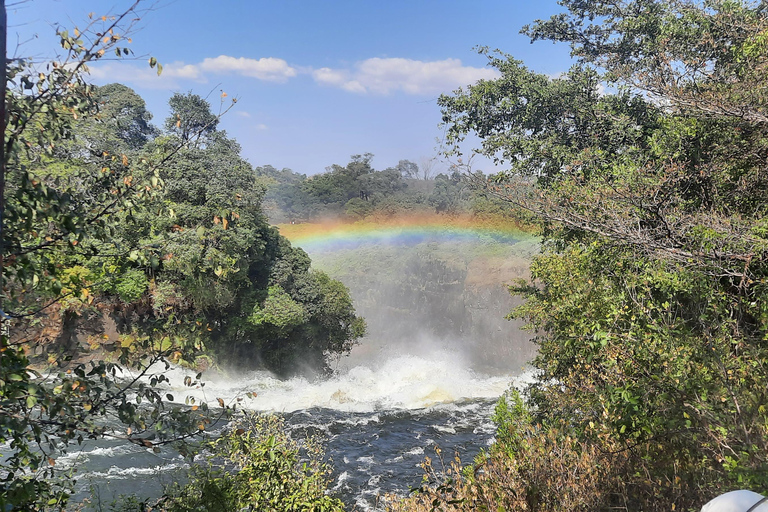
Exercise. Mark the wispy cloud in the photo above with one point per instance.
(252, 122)
(384, 76)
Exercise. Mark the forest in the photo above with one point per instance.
(357, 191)
(643, 169)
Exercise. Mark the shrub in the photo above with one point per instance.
(131, 285)
(529, 467)
(258, 467)
(279, 311)
(76, 292)
(167, 297)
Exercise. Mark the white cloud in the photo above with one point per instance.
(184, 71)
(144, 76)
(330, 76)
(247, 115)
(375, 75)
(383, 76)
(354, 86)
(267, 68)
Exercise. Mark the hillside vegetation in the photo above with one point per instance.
(194, 262)
(650, 297)
(357, 191)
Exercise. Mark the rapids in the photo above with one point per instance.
(378, 421)
(437, 357)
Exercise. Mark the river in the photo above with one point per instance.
(378, 421)
(437, 357)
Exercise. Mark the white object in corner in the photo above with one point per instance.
(737, 501)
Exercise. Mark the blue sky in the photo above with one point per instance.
(316, 81)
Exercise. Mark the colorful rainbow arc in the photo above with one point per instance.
(409, 231)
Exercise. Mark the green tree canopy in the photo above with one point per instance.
(162, 233)
(645, 165)
(124, 114)
(63, 204)
(191, 117)
(256, 295)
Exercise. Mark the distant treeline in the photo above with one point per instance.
(357, 191)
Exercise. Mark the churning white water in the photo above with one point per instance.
(378, 419)
(405, 382)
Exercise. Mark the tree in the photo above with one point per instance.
(304, 316)
(102, 216)
(377, 185)
(330, 191)
(650, 293)
(407, 169)
(446, 195)
(253, 292)
(124, 113)
(190, 117)
(427, 168)
(53, 222)
(284, 200)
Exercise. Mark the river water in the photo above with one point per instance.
(438, 356)
(378, 421)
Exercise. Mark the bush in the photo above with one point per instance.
(131, 285)
(258, 467)
(542, 470)
(167, 297)
(279, 311)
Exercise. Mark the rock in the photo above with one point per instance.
(340, 397)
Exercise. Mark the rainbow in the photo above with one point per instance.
(405, 231)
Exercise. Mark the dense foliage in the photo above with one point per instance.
(216, 262)
(257, 467)
(649, 300)
(109, 221)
